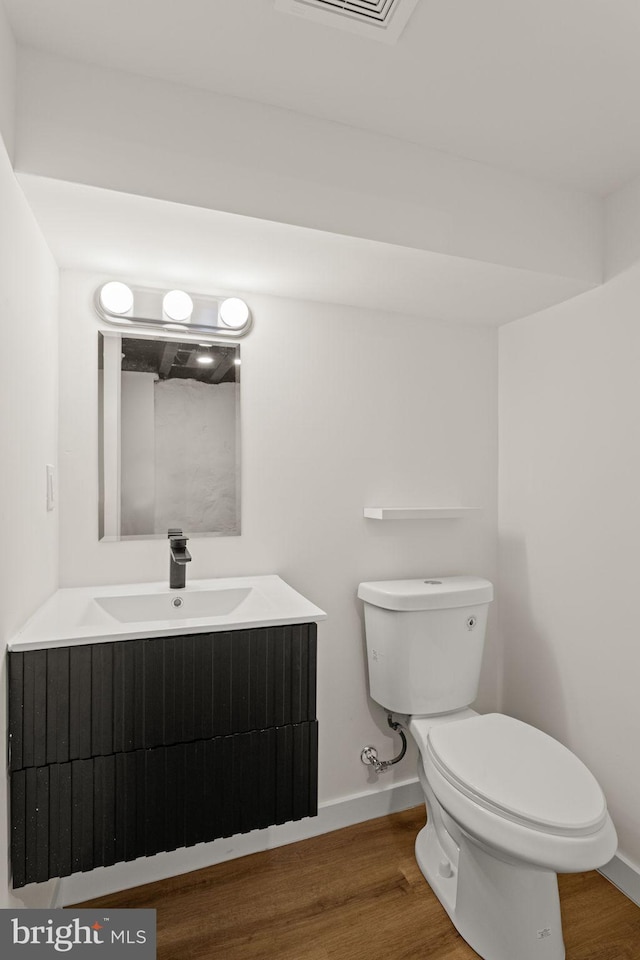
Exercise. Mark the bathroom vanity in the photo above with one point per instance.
(136, 736)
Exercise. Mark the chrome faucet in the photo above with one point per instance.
(179, 559)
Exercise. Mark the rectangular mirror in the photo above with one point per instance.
(169, 437)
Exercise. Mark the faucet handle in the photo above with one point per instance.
(174, 532)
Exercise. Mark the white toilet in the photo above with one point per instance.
(508, 807)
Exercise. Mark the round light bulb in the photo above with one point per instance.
(116, 297)
(234, 312)
(178, 306)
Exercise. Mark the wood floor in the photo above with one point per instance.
(355, 894)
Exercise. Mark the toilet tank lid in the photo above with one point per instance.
(428, 593)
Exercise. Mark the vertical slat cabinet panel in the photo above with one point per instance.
(176, 789)
(186, 692)
(153, 692)
(42, 824)
(34, 709)
(196, 814)
(240, 680)
(284, 774)
(31, 824)
(79, 702)
(124, 696)
(312, 667)
(138, 705)
(98, 699)
(87, 813)
(240, 787)
(82, 815)
(221, 758)
(266, 766)
(51, 725)
(171, 682)
(104, 811)
(127, 749)
(312, 810)
(203, 687)
(60, 804)
(258, 680)
(19, 827)
(57, 734)
(101, 699)
(126, 805)
(222, 684)
(53, 809)
(281, 699)
(16, 710)
(304, 780)
(299, 681)
(154, 800)
(140, 808)
(286, 675)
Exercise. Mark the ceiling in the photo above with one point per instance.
(549, 88)
(152, 241)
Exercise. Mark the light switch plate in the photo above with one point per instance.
(51, 500)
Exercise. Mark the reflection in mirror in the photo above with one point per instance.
(169, 437)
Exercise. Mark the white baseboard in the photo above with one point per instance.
(35, 896)
(624, 875)
(331, 816)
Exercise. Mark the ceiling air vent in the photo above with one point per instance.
(378, 19)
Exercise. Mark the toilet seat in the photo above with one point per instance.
(518, 772)
(521, 823)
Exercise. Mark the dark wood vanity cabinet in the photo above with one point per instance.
(125, 749)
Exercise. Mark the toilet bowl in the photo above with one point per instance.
(517, 790)
(508, 807)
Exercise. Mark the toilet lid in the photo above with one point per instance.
(518, 772)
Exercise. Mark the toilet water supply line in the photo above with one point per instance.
(369, 755)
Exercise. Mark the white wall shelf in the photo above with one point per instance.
(418, 513)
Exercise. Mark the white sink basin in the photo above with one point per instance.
(141, 610)
(174, 605)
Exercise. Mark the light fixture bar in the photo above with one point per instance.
(172, 310)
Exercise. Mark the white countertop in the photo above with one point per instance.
(77, 615)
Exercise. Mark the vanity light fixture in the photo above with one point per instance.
(218, 318)
(204, 358)
(177, 306)
(116, 298)
(234, 312)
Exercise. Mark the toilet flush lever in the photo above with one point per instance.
(369, 755)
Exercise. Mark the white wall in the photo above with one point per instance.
(28, 435)
(8, 60)
(570, 533)
(340, 408)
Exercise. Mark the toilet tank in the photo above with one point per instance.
(424, 642)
